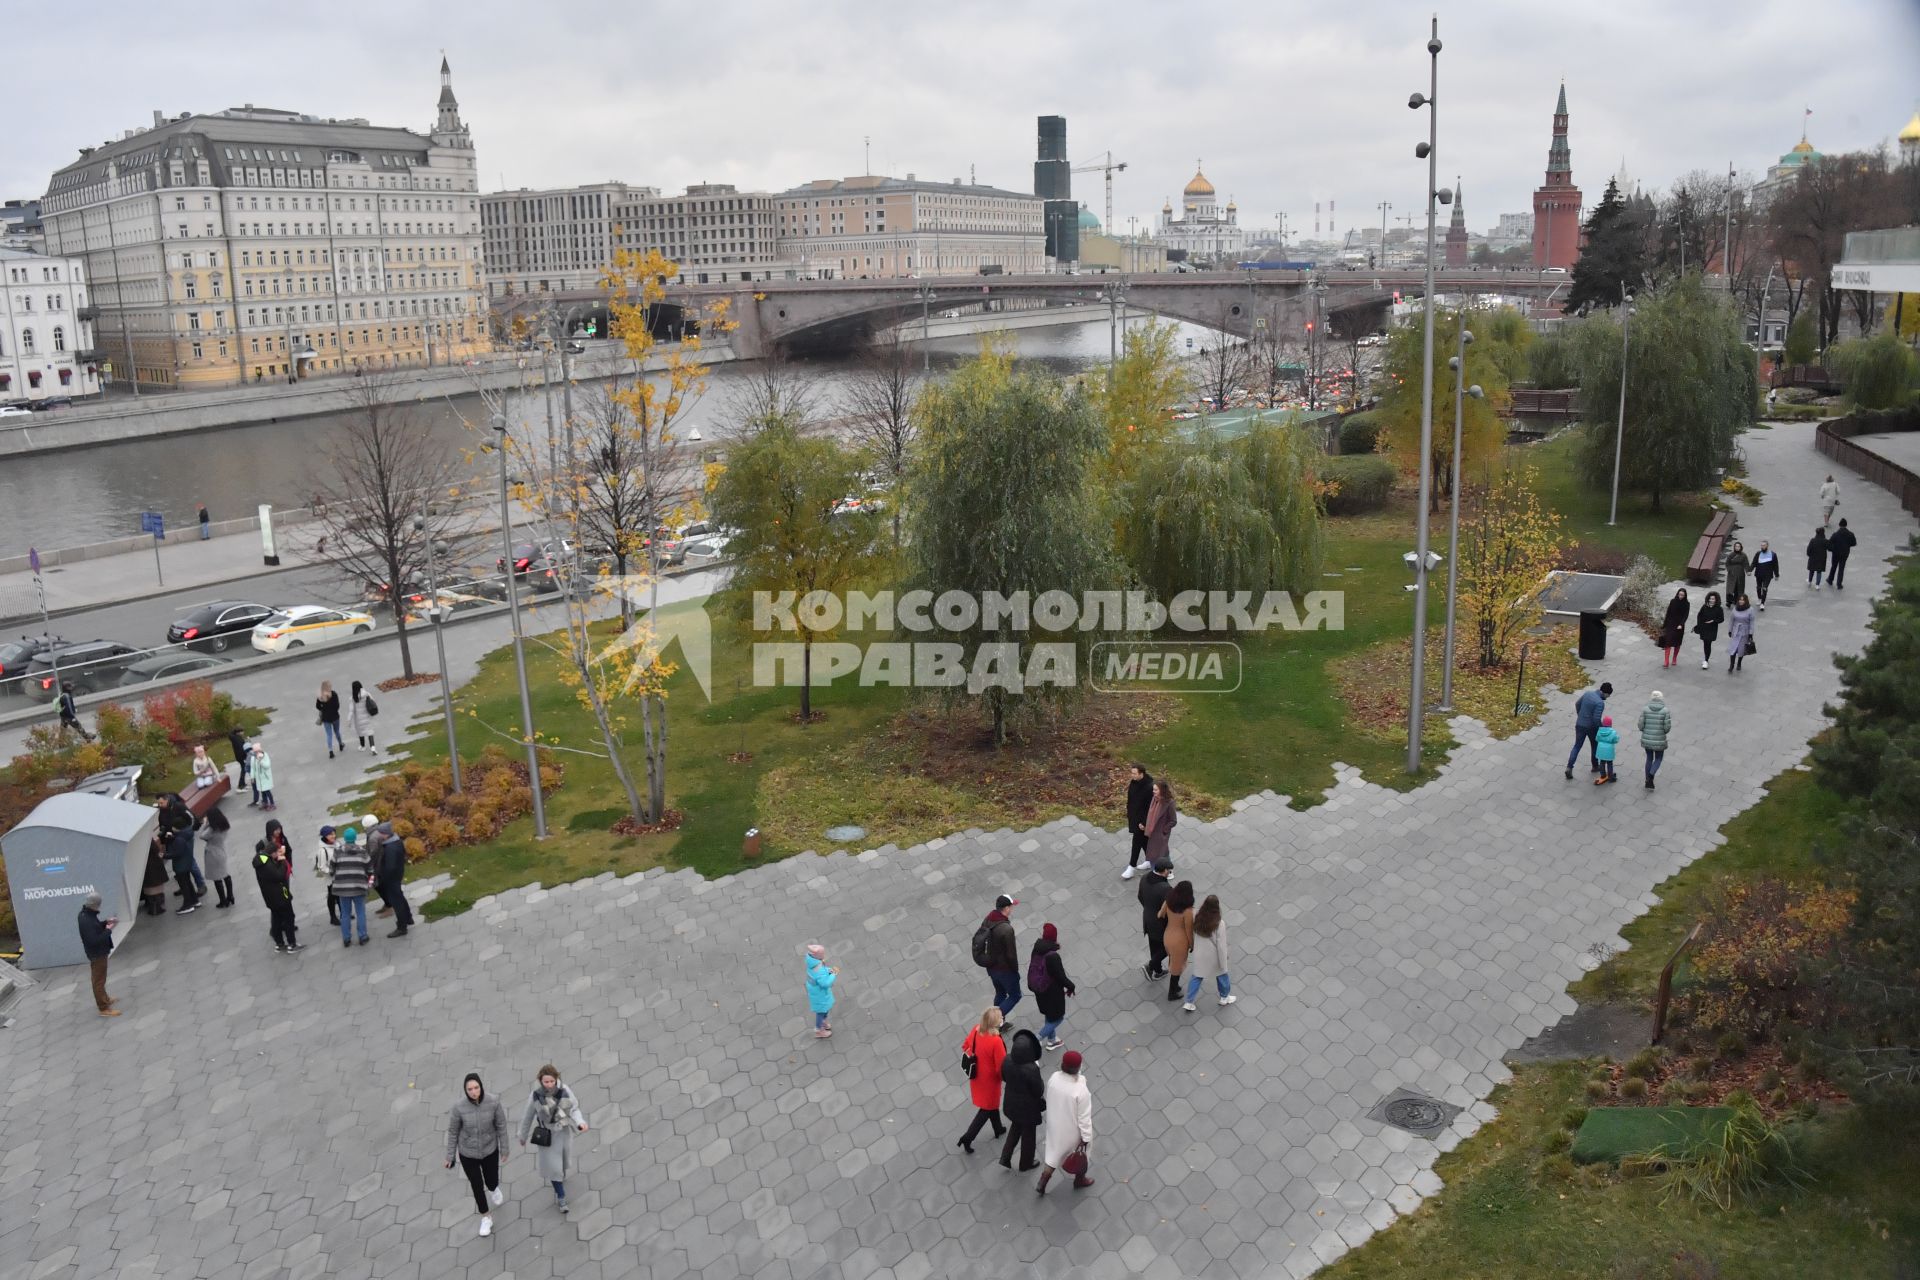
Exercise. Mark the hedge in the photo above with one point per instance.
(1358, 433)
(1356, 484)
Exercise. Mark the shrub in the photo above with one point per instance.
(1633, 1088)
(1558, 1166)
(1598, 1090)
(1749, 966)
(1573, 1117)
(1731, 1045)
(1643, 1064)
(1559, 1140)
(1643, 595)
(1359, 433)
(1879, 372)
(1356, 485)
(1749, 1154)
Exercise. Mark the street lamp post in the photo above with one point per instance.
(519, 648)
(440, 642)
(1460, 392)
(1726, 244)
(1427, 151)
(1385, 208)
(1620, 425)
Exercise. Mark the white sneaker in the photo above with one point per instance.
(1703, 664)
(1228, 999)
(1127, 874)
(486, 1224)
(498, 1195)
(1188, 1006)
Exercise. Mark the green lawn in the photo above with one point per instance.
(1667, 538)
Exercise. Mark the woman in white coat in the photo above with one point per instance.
(1069, 1122)
(361, 710)
(552, 1107)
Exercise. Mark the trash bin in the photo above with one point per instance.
(1593, 634)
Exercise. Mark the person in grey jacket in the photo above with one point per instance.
(1209, 954)
(477, 1134)
(553, 1107)
(350, 871)
(1656, 722)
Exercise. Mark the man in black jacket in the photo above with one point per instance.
(96, 939)
(1154, 888)
(1003, 955)
(274, 874)
(1139, 801)
(70, 712)
(1839, 546)
(390, 872)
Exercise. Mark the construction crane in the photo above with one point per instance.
(1109, 167)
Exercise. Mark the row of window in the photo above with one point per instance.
(241, 204)
(27, 347)
(55, 301)
(19, 275)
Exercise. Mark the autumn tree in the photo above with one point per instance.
(1508, 543)
(1226, 364)
(1132, 397)
(878, 403)
(773, 391)
(1880, 372)
(388, 506)
(1827, 198)
(1483, 432)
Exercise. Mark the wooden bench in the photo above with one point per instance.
(1703, 566)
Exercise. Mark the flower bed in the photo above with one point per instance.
(430, 816)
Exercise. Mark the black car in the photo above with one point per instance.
(16, 655)
(165, 666)
(89, 667)
(539, 565)
(218, 625)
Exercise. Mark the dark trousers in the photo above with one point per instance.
(395, 896)
(183, 877)
(980, 1120)
(99, 966)
(333, 908)
(1583, 736)
(1653, 761)
(1139, 847)
(1837, 571)
(1021, 1135)
(1760, 584)
(1157, 947)
(282, 925)
(1006, 989)
(1706, 649)
(483, 1175)
(223, 888)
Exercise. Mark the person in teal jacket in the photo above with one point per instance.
(1605, 739)
(820, 980)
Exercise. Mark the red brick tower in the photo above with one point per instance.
(1457, 232)
(1556, 204)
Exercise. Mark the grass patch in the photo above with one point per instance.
(1667, 538)
(1514, 1206)
(1375, 683)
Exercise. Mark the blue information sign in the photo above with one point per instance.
(154, 523)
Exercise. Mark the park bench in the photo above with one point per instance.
(1703, 566)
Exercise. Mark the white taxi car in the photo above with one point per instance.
(309, 624)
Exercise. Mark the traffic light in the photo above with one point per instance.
(593, 326)
(1309, 326)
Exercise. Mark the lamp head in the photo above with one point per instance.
(1466, 336)
(1444, 195)
(1476, 392)
(1453, 363)
(1421, 151)
(1433, 46)
(1417, 101)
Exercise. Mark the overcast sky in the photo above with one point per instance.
(1287, 103)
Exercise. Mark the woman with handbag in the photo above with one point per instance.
(1069, 1120)
(1740, 635)
(982, 1057)
(1706, 625)
(1177, 911)
(551, 1119)
(361, 709)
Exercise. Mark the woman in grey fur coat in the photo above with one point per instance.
(552, 1106)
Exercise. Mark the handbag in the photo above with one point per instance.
(969, 1061)
(542, 1132)
(1076, 1162)
(1751, 648)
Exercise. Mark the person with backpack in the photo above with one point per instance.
(1047, 979)
(1153, 895)
(996, 951)
(981, 1057)
(70, 713)
(1139, 800)
(1023, 1099)
(820, 979)
(361, 710)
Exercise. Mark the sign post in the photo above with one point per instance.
(269, 552)
(46, 623)
(154, 523)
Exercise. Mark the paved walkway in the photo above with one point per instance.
(256, 1115)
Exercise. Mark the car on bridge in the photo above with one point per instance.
(301, 625)
(165, 666)
(89, 666)
(218, 625)
(16, 656)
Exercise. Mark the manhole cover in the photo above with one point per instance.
(1414, 1112)
(846, 835)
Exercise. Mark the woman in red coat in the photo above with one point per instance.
(983, 1053)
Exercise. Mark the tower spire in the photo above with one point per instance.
(448, 118)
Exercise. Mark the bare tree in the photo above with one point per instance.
(389, 500)
(1226, 364)
(878, 403)
(773, 390)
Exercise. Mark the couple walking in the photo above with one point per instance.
(996, 950)
(1184, 946)
(1151, 817)
(477, 1137)
(1002, 1079)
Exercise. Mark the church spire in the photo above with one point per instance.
(448, 120)
(1559, 157)
(1459, 210)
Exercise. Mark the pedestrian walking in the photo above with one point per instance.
(1817, 557)
(1047, 979)
(96, 939)
(328, 705)
(1737, 566)
(1023, 1099)
(205, 771)
(477, 1134)
(1209, 954)
(1706, 625)
(1069, 1121)
(1589, 709)
(820, 979)
(1673, 629)
(323, 868)
(1152, 894)
(1656, 722)
(242, 756)
(1162, 816)
(186, 871)
(1840, 545)
(551, 1119)
(361, 709)
(1740, 635)
(1176, 915)
(263, 776)
(219, 871)
(153, 885)
(982, 1055)
(349, 875)
(996, 951)
(70, 713)
(1139, 801)
(389, 855)
(1829, 499)
(1605, 740)
(1766, 567)
(206, 523)
(273, 872)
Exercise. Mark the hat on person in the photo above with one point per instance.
(325, 832)
(1002, 902)
(817, 951)
(369, 822)
(1605, 690)
(1070, 1062)
(1050, 933)
(1606, 722)
(349, 836)
(1163, 865)
(1658, 696)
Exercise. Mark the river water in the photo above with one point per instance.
(95, 494)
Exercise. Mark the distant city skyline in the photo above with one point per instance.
(1281, 111)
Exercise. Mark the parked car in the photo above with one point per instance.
(90, 666)
(218, 625)
(14, 411)
(165, 666)
(120, 783)
(16, 656)
(699, 551)
(309, 624)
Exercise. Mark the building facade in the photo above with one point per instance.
(547, 241)
(20, 226)
(874, 226)
(715, 232)
(1203, 230)
(1782, 175)
(46, 329)
(1556, 202)
(256, 244)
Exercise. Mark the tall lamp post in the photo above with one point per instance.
(519, 649)
(440, 642)
(1460, 393)
(1385, 208)
(1422, 560)
(1620, 425)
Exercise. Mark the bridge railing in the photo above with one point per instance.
(1834, 438)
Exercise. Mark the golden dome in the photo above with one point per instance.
(1802, 147)
(1912, 132)
(1199, 186)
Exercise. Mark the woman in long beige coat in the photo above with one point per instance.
(1177, 911)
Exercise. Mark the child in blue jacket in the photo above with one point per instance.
(820, 979)
(1605, 739)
